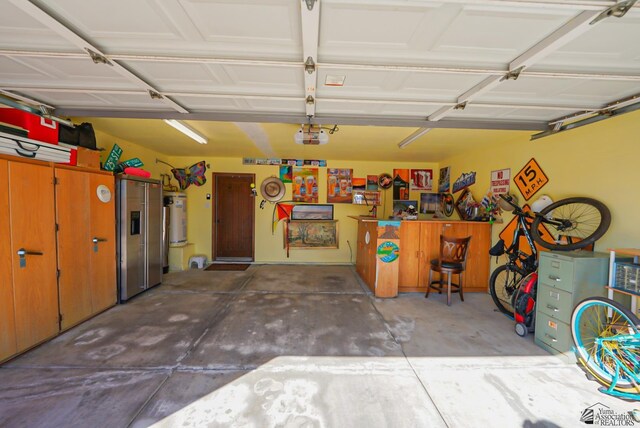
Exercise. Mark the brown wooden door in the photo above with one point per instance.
(233, 217)
(73, 218)
(32, 213)
(103, 252)
(8, 344)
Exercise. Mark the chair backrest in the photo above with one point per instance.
(454, 250)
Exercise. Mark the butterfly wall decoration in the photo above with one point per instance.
(195, 174)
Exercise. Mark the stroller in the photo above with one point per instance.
(524, 305)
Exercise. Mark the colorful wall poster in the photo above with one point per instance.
(285, 174)
(305, 184)
(421, 179)
(372, 183)
(400, 184)
(429, 203)
(339, 186)
(359, 184)
(465, 180)
(500, 180)
(444, 181)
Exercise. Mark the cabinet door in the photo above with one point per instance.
(8, 344)
(103, 253)
(409, 254)
(429, 250)
(477, 272)
(74, 246)
(32, 213)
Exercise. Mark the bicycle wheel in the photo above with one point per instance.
(574, 223)
(503, 284)
(589, 321)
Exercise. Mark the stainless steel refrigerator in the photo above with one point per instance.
(139, 249)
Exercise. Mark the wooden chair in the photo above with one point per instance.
(453, 259)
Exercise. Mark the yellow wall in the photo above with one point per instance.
(598, 160)
(269, 247)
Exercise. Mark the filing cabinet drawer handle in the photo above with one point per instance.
(554, 278)
(553, 339)
(553, 308)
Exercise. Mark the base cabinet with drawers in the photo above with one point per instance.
(565, 279)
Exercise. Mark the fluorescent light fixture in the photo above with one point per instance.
(186, 130)
(413, 137)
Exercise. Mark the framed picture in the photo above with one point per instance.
(401, 206)
(421, 179)
(311, 234)
(361, 197)
(305, 184)
(429, 203)
(339, 186)
(312, 212)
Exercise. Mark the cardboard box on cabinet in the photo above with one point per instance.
(87, 158)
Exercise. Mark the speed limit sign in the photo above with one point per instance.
(530, 179)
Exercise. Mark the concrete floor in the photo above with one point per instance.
(295, 346)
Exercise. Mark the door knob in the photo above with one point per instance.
(22, 254)
(95, 243)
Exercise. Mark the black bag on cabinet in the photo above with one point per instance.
(81, 135)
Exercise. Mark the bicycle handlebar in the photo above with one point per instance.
(509, 199)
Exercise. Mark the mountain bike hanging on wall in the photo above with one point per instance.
(569, 224)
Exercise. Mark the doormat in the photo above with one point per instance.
(227, 266)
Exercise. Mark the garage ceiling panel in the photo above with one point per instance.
(609, 46)
(18, 30)
(397, 84)
(330, 107)
(570, 92)
(516, 114)
(65, 73)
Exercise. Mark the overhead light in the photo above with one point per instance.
(312, 135)
(413, 137)
(186, 130)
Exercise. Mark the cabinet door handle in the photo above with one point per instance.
(553, 308)
(417, 254)
(22, 254)
(554, 278)
(553, 339)
(95, 241)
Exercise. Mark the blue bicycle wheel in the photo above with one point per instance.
(591, 320)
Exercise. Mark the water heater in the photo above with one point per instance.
(178, 217)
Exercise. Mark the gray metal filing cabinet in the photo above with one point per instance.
(565, 279)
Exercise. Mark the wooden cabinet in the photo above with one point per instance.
(32, 252)
(44, 274)
(103, 239)
(8, 344)
(366, 252)
(421, 244)
(86, 245)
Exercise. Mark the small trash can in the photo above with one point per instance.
(197, 262)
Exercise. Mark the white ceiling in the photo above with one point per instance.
(405, 62)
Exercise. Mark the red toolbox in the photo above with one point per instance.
(38, 127)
